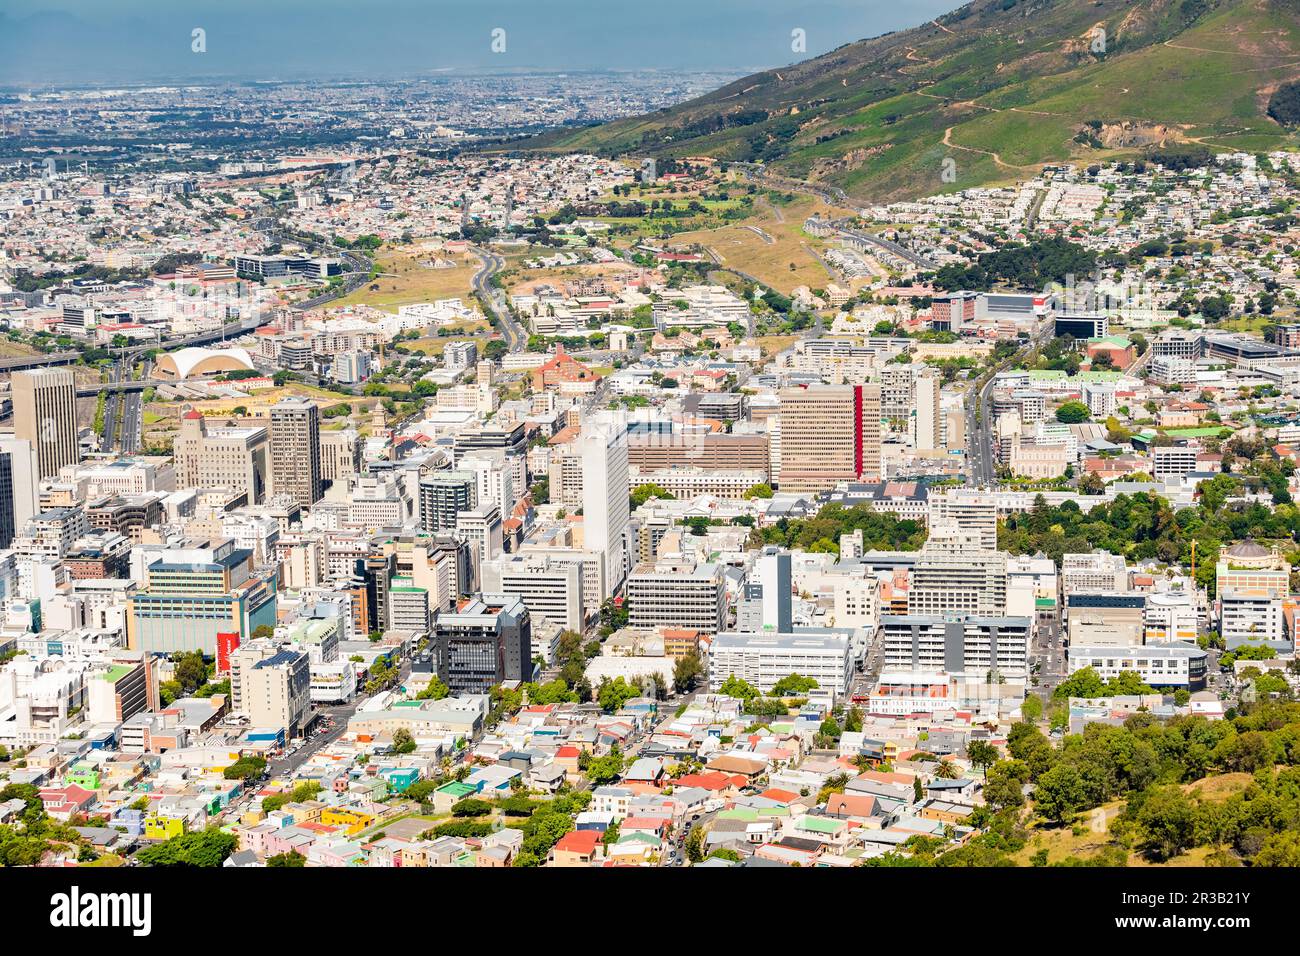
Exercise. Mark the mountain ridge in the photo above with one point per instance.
(997, 87)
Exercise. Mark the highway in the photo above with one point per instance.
(492, 263)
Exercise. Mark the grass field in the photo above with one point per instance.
(742, 248)
(405, 281)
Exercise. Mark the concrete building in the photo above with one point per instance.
(957, 643)
(605, 506)
(829, 434)
(444, 495)
(234, 458)
(274, 687)
(295, 451)
(675, 594)
(763, 659)
(1162, 666)
(486, 641)
(45, 416)
(550, 588)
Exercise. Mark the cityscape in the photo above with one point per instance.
(429, 472)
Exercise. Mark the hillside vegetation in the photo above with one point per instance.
(999, 87)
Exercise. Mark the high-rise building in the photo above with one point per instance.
(232, 458)
(829, 434)
(272, 687)
(927, 423)
(953, 574)
(45, 414)
(672, 594)
(295, 450)
(605, 506)
(18, 487)
(485, 642)
(444, 495)
(340, 455)
(969, 510)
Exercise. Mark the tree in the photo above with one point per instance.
(1032, 708)
(245, 768)
(613, 694)
(733, 686)
(1072, 413)
(403, 742)
(436, 690)
(292, 858)
(695, 845)
(1092, 483)
(793, 685)
(206, 848)
(687, 670)
(981, 754)
(471, 807)
(643, 493)
(1003, 784)
(1060, 793)
(760, 490)
(1168, 822)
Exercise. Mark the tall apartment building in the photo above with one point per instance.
(295, 451)
(829, 434)
(551, 589)
(954, 575)
(671, 594)
(483, 531)
(271, 686)
(45, 414)
(444, 496)
(927, 422)
(340, 455)
(969, 510)
(605, 506)
(233, 458)
(486, 641)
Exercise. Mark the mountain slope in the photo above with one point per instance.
(999, 87)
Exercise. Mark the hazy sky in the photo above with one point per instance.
(58, 41)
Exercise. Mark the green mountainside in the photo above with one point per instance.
(998, 86)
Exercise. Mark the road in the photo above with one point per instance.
(491, 263)
(980, 460)
(1047, 656)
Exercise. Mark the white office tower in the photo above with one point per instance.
(774, 578)
(927, 424)
(605, 505)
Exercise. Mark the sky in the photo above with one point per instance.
(49, 42)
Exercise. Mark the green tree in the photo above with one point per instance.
(1060, 793)
(292, 858)
(687, 670)
(1072, 413)
(1168, 822)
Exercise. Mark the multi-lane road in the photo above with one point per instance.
(981, 464)
(495, 300)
